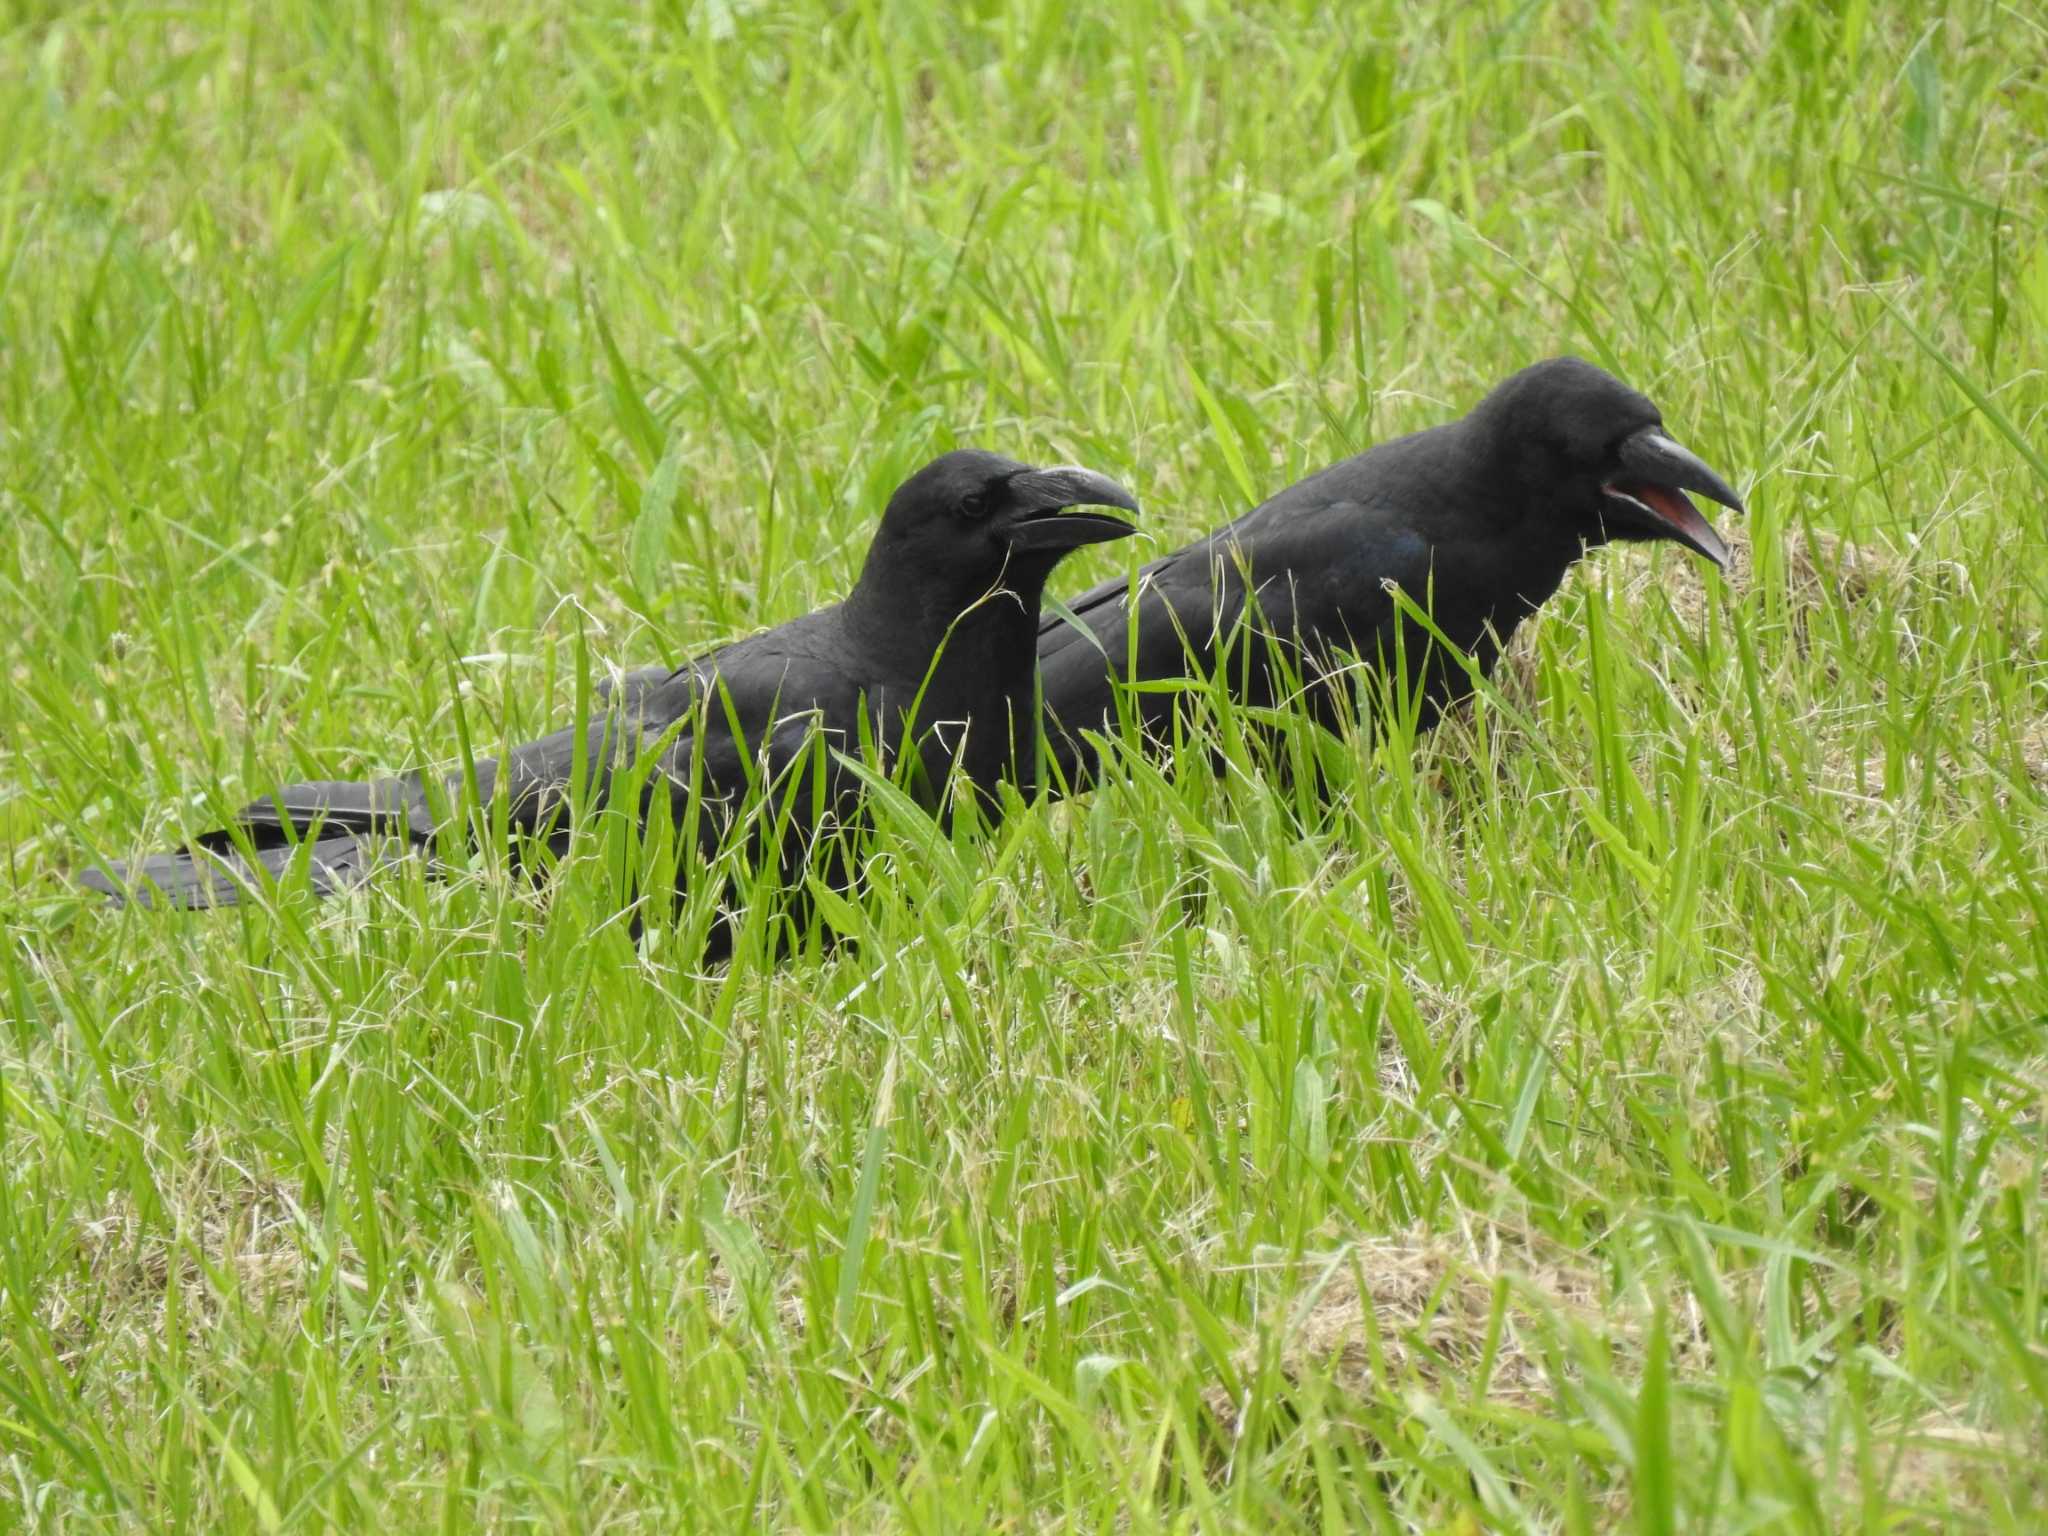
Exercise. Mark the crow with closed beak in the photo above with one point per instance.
(934, 645)
(1477, 521)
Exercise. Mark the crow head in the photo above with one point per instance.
(1594, 453)
(978, 518)
(970, 523)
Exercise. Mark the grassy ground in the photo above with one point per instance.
(1626, 1110)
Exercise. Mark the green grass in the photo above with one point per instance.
(1627, 1109)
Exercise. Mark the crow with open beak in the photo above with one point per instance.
(1477, 521)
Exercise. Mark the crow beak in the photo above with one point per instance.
(1650, 492)
(1039, 520)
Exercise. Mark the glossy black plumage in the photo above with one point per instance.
(1477, 521)
(934, 644)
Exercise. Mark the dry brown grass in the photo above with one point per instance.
(231, 1241)
(1382, 1315)
(1821, 570)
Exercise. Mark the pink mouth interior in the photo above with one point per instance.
(1676, 508)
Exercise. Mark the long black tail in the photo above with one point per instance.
(199, 876)
(347, 829)
(343, 831)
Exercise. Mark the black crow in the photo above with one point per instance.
(1476, 521)
(934, 645)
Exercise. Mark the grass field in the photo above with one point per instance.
(1626, 1109)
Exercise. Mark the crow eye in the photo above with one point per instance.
(974, 504)
(1614, 448)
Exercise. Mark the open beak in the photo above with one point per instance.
(1039, 519)
(1649, 494)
